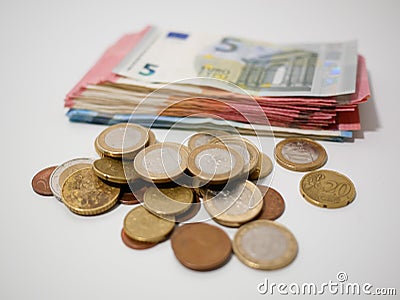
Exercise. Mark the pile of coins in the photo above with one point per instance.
(171, 182)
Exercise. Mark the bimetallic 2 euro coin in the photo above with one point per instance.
(300, 154)
(61, 173)
(122, 140)
(265, 245)
(161, 163)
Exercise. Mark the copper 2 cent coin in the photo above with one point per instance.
(200, 246)
(41, 181)
(274, 205)
(131, 243)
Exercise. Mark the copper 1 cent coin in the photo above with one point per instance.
(200, 246)
(274, 205)
(131, 243)
(41, 181)
(127, 197)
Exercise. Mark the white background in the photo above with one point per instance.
(47, 252)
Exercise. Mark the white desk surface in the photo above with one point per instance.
(49, 253)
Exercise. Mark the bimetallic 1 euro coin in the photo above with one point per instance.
(204, 137)
(326, 188)
(300, 154)
(62, 172)
(161, 163)
(85, 194)
(263, 168)
(143, 226)
(201, 246)
(168, 201)
(265, 245)
(122, 140)
(235, 205)
(215, 164)
(110, 170)
(246, 149)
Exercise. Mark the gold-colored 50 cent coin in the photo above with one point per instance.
(265, 245)
(143, 226)
(300, 154)
(326, 188)
(85, 194)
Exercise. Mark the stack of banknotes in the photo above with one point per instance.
(171, 79)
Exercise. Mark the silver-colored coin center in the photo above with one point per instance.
(264, 243)
(162, 160)
(300, 152)
(119, 138)
(215, 161)
(234, 202)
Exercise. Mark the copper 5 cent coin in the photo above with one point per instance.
(41, 181)
(133, 244)
(200, 246)
(274, 205)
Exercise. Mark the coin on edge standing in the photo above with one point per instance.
(59, 175)
(143, 226)
(201, 246)
(85, 194)
(41, 181)
(300, 154)
(265, 245)
(123, 140)
(326, 188)
(234, 206)
(215, 164)
(161, 163)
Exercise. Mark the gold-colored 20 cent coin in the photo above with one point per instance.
(143, 226)
(85, 194)
(300, 154)
(326, 188)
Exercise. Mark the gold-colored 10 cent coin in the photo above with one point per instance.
(168, 201)
(300, 154)
(111, 170)
(265, 245)
(143, 226)
(326, 188)
(162, 162)
(122, 140)
(85, 194)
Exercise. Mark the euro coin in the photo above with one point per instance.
(265, 245)
(85, 194)
(122, 140)
(201, 246)
(274, 205)
(41, 181)
(300, 154)
(326, 188)
(204, 137)
(143, 226)
(246, 149)
(168, 201)
(133, 244)
(161, 163)
(152, 138)
(215, 164)
(110, 170)
(62, 172)
(263, 168)
(235, 205)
